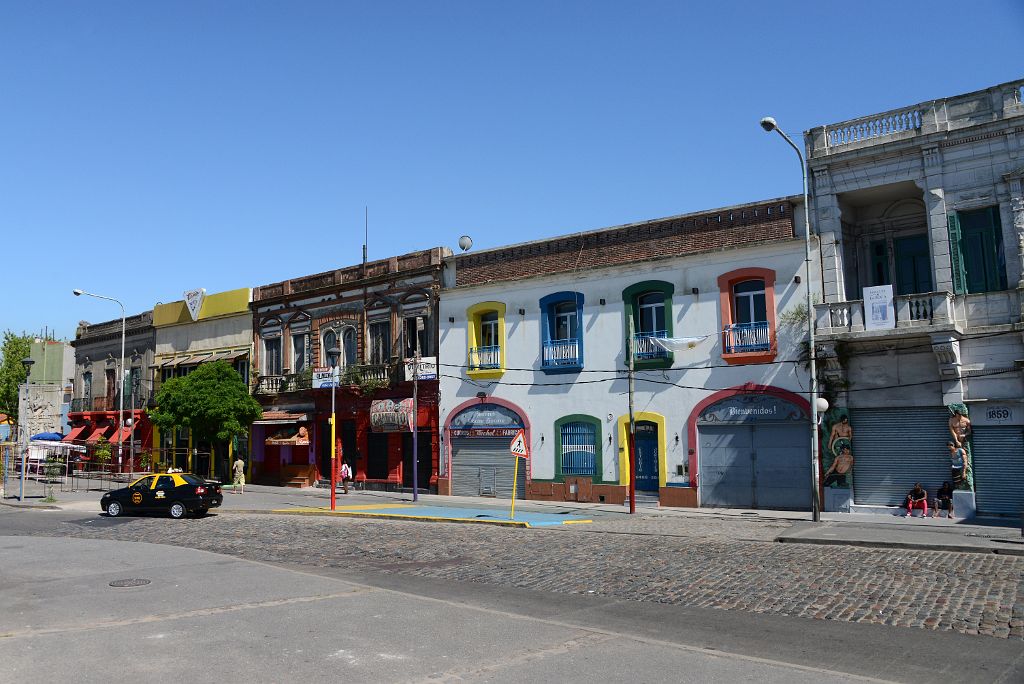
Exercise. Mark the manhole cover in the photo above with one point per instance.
(134, 582)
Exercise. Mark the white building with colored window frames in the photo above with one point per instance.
(535, 337)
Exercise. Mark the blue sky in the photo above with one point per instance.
(147, 148)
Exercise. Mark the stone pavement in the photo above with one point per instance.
(702, 559)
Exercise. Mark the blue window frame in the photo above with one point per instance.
(562, 332)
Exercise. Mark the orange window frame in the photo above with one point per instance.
(726, 282)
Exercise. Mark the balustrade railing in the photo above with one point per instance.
(645, 347)
(278, 384)
(916, 310)
(746, 337)
(874, 127)
(559, 353)
(481, 358)
(374, 372)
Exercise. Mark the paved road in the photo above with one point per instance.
(205, 616)
(704, 562)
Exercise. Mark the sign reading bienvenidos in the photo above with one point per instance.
(194, 302)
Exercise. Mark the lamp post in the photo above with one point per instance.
(334, 354)
(120, 393)
(769, 124)
(23, 421)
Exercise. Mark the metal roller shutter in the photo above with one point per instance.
(895, 447)
(997, 454)
(483, 467)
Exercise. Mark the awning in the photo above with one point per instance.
(75, 433)
(122, 435)
(202, 357)
(219, 356)
(97, 433)
(173, 361)
(281, 418)
(237, 354)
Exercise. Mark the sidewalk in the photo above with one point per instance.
(1002, 536)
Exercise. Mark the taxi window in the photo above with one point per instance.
(144, 483)
(192, 479)
(165, 482)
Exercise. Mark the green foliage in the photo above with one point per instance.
(12, 372)
(102, 451)
(212, 401)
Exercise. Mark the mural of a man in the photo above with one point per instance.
(959, 427)
(842, 464)
(841, 430)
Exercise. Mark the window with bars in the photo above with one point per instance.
(578, 448)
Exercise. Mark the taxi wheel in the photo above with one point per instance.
(177, 510)
(113, 509)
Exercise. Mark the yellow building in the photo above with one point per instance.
(200, 329)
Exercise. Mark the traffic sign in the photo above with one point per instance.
(518, 446)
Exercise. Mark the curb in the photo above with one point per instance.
(38, 507)
(393, 516)
(907, 546)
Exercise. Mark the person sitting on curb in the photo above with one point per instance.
(917, 498)
(944, 499)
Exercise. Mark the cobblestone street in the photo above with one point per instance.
(702, 562)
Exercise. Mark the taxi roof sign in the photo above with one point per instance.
(518, 446)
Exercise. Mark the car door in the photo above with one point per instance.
(140, 496)
(163, 492)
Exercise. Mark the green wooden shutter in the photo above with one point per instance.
(956, 258)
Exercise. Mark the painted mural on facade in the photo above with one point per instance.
(837, 454)
(961, 472)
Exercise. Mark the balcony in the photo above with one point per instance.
(645, 347)
(1002, 101)
(561, 353)
(142, 399)
(368, 373)
(746, 337)
(279, 384)
(485, 358)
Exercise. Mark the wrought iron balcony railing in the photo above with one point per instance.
(746, 337)
(484, 358)
(561, 353)
(645, 347)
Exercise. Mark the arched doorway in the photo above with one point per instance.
(753, 449)
(479, 436)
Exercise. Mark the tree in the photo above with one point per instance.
(212, 401)
(12, 372)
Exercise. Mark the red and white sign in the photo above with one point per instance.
(518, 446)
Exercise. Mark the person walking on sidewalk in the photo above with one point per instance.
(346, 475)
(917, 498)
(239, 472)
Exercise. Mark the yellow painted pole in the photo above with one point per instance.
(515, 477)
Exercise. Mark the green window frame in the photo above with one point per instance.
(598, 441)
(977, 256)
(629, 301)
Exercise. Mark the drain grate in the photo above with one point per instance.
(133, 582)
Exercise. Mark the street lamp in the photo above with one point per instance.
(334, 354)
(769, 124)
(23, 420)
(120, 393)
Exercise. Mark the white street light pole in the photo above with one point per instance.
(769, 124)
(120, 394)
(24, 426)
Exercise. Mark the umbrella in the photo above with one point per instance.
(48, 436)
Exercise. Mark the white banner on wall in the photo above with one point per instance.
(878, 309)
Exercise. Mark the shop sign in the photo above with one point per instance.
(483, 432)
(751, 408)
(878, 310)
(326, 378)
(194, 302)
(387, 415)
(427, 368)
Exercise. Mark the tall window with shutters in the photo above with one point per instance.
(578, 447)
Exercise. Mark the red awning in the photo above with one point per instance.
(75, 433)
(97, 433)
(122, 435)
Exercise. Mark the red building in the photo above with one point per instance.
(368, 321)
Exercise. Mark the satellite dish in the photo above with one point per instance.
(465, 243)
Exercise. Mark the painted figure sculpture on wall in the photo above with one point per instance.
(960, 447)
(837, 456)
